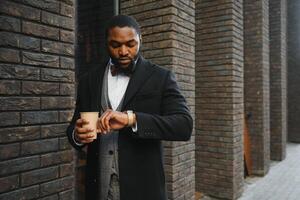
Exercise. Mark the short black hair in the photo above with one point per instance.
(122, 21)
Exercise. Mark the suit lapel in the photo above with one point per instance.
(142, 72)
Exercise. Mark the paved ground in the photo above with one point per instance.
(281, 183)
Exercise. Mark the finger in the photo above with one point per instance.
(100, 129)
(107, 120)
(87, 141)
(83, 130)
(81, 122)
(85, 136)
(102, 120)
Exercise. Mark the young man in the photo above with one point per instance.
(140, 105)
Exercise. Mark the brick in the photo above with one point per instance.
(9, 183)
(67, 89)
(57, 102)
(57, 75)
(36, 87)
(39, 176)
(18, 40)
(9, 87)
(40, 30)
(66, 170)
(69, 2)
(57, 186)
(39, 117)
(10, 23)
(9, 118)
(67, 182)
(9, 39)
(19, 103)
(25, 193)
(9, 55)
(67, 10)
(57, 20)
(66, 195)
(66, 115)
(57, 47)
(51, 187)
(51, 5)
(56, 158)
(19, 72)
(64, 143)
(19, 165)
(18, 10)
(19, 134)
(39, 146)
(53, 130)
(52, 197)
(8, 151)
(67, 36)
(67, 63)
(40, 59)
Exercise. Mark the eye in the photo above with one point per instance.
(114, 44)
(131, 44)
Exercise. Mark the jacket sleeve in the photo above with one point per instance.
(76, 115)
(174, 124)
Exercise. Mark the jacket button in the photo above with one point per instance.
(111, 152)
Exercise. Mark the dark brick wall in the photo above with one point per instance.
(91, 21)
(293, 71)
(219, 98)
(36, 98)
(169, 40)
(278, 79)
(257, 91)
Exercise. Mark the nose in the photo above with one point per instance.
(123, 51)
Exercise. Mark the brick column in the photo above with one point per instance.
(257, 92)
(293, 71)
(278, 76)
(219, 98)
(36, 99)
(168, 40)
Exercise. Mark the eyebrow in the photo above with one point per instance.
(133, 40)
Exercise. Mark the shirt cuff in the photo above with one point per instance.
(75, 141)
(134, 128)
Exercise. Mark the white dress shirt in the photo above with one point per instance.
(117, 86)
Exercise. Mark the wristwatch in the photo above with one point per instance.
(130, 118)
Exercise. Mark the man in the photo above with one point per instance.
(140, 105)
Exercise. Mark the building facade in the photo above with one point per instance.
(236, 63)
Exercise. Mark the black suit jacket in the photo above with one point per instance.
(162, 114)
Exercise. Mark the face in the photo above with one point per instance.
(123, 45)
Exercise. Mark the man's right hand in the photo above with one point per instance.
(81, 134)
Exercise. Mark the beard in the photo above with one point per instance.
(116, 61)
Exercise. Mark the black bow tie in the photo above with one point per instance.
(119, 70)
